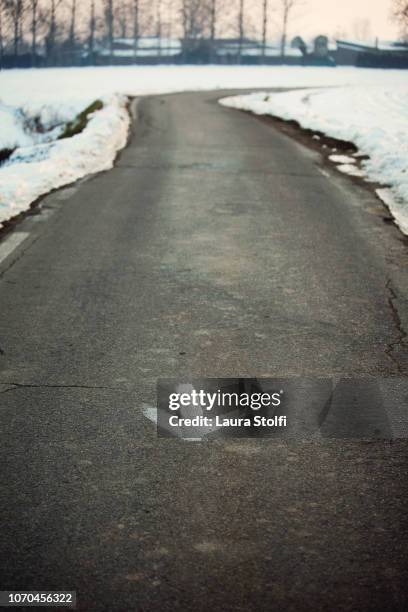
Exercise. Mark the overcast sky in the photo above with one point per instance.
(368, 17)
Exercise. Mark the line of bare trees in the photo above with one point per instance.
(55, 32)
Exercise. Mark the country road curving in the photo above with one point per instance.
(215, 247)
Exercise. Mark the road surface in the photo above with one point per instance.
(216, 247)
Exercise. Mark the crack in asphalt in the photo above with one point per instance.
(399, 340)
(13, 386)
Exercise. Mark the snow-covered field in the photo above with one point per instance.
(54, 96)
(374, 116)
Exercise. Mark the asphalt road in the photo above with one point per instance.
(216, 247)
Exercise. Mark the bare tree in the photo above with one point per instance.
(213, 27)
(213, 19)
(198, 21)
(1, 33)
(400, 13)
(196, 18)
(34, 18)
(159, 24)
(264, 25)
(286, 8)
(136, 25)
(185, 14)
(53, 27)
(92, 32)
(72, 27)
(122, 18)
(109, 20)
(15, 11)
(52, 32)
(240, 28)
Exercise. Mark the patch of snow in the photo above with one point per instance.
(150, 413)
(350, 169)
(342, 159)
(19, 127)
(397, 207)
(12, 133)
(35, 170)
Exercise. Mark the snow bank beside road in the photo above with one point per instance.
(36, 169)
(374, 117)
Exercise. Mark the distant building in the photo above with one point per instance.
(318, 53)
(231, 50)
(378, 55)
(146, 50)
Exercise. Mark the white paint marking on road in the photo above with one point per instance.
(150, 413)
(12, 242)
